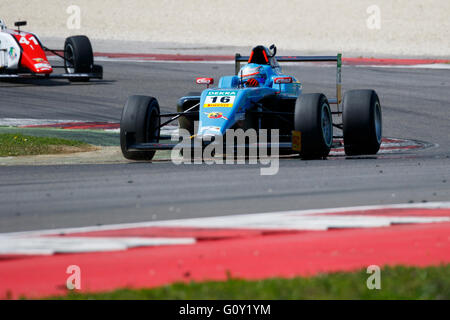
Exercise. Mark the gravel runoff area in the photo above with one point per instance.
(405, 27)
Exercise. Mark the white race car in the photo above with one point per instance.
(22, 55)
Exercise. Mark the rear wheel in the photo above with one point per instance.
(313, 119)
(79, 57)
(139, 124)
(362, 122)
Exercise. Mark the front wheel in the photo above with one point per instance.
(313, 119)
(140, 123)
(362, 122)
(78, 56)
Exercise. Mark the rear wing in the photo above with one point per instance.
(338, 59)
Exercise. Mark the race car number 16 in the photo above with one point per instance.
(219, 101)
(222, 99)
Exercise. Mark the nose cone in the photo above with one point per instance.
(36, 65)
(33, 56)
(215, 122)
(43, 67)
(217, 111)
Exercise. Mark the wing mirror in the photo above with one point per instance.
(281, 80)
(207, 81)
(19, 24)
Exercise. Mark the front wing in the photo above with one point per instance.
(154, 146)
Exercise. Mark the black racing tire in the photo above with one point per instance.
(313, 119)
(139, 124)
(79, 57)
(362, 121)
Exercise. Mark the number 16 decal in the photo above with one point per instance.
(222, 99)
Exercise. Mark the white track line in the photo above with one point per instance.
(52, 245)
(295, 219)
(280, 221)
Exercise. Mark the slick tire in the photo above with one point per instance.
(79, 57)
(139, 124)
(362, 120)
(313, 119)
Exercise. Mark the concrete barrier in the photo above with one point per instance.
(363, 27)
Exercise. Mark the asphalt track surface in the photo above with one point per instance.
(416, 105)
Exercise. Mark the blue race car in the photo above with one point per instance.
(259, 96)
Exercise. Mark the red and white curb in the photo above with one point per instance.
(58, 124)
(21, 122)
(189, 231)
(249, 246)
(108, 126)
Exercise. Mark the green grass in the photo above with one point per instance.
(93, 137)
(396, 283)
(16, 144)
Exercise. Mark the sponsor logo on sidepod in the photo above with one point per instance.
(12, 53)
(216, 115)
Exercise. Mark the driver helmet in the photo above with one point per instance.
(2, 25)
(252, 71)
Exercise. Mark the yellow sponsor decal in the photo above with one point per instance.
(218, 105)
(296, 141)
